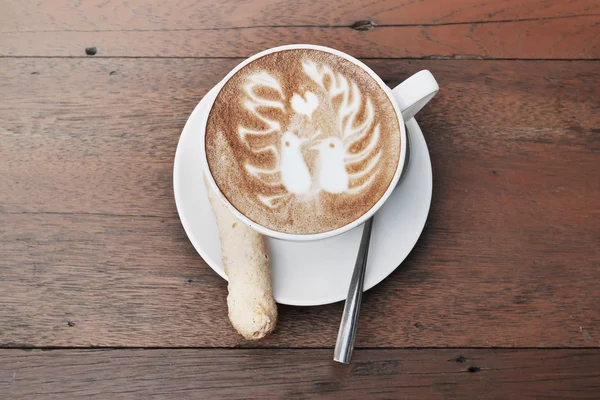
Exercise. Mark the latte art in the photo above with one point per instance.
(302, 141)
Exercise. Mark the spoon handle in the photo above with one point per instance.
(347, 333)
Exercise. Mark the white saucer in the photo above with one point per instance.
(311, 273)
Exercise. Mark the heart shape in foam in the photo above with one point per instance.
(306, 105)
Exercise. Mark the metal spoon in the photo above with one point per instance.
(347, 333)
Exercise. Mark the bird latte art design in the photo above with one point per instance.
(302, 141)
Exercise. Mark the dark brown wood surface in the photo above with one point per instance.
(92, 252)
(535, 29)
(91, 232)
(115, 15)
(560, 38)
(257, 374)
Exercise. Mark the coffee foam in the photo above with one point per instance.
(302, 141)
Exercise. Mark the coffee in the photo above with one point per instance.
(302, 141)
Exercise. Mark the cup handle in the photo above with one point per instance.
(415, 92)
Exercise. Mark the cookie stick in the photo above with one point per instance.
(252, 308)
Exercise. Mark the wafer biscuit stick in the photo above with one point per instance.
(252, 308)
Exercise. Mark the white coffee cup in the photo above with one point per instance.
(407, 98)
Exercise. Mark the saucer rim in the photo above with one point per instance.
(413, 129)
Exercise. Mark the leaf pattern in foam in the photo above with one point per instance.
(269, 177)
(364, 135)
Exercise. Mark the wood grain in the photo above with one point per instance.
(93, 252)
(563, 38)
(99, 136)
(115, 15)
(299, 374)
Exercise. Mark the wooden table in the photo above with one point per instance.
(103, 296)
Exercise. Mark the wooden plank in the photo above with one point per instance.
(299, 374)
(92, 252)
(97, 15)
(121, 281)
(565, 38)
(104, 132)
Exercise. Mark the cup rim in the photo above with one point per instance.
(307, 236)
